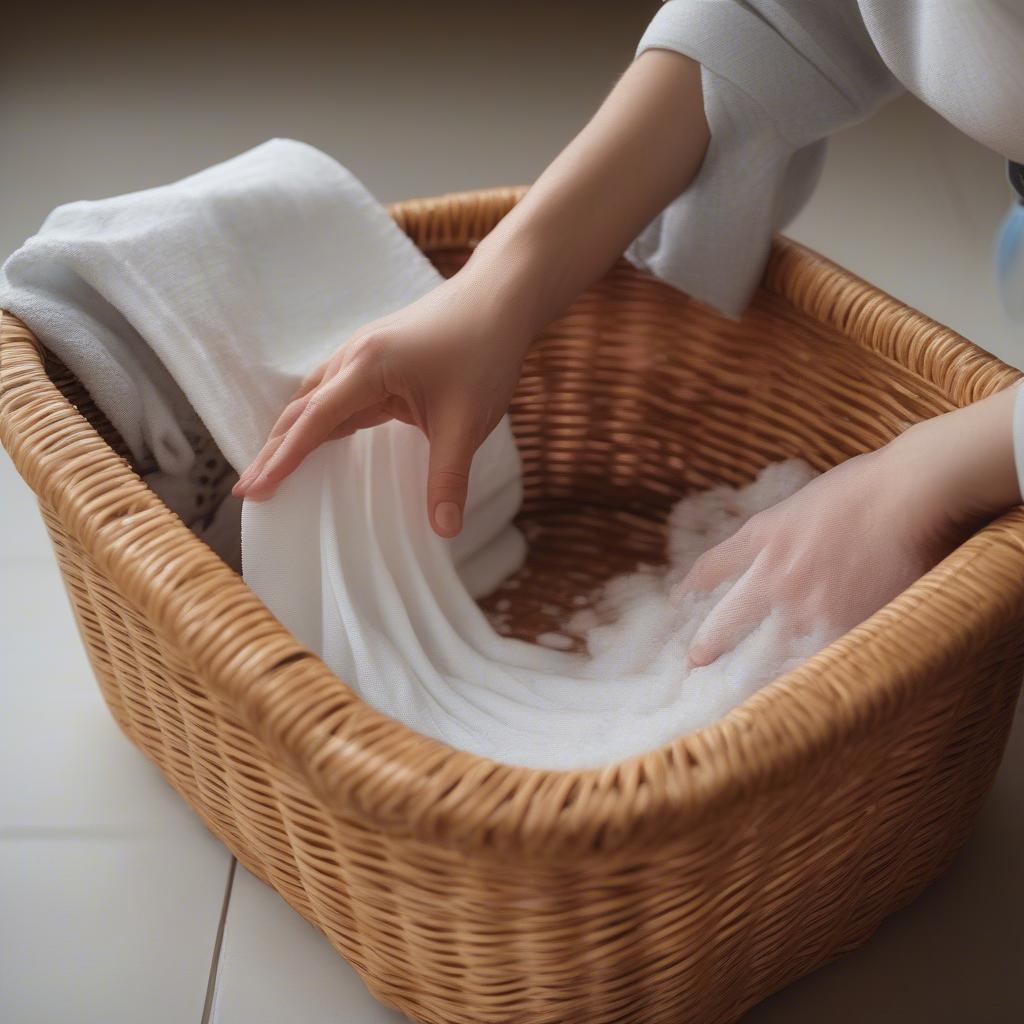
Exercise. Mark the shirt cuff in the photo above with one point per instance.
(773, 90)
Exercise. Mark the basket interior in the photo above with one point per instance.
(640, 395)
(637, 396)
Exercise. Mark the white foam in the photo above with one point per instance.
(633, 688)
(556, 641)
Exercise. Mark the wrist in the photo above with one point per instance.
(492, 303)
(517, 266)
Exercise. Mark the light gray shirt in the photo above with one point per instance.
(779, 77)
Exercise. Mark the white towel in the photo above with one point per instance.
(235, 282)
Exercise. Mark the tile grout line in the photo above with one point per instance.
(211, 984)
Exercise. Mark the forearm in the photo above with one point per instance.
(963, 462)
(639, 151)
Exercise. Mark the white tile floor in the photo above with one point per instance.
(115, 905)
(110, 890)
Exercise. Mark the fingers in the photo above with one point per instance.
(743, 608)
(305, 424)
(291, 413)
(451, 455)
(313, 379)
(372, 417)
(723, 562)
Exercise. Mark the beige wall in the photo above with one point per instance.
(425, 97)
(416, 97)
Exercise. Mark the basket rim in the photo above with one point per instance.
(361, 763)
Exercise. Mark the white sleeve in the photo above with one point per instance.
(778, 78)
(964, 59)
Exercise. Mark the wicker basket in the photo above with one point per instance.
(683, 885)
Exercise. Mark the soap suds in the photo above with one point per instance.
(556, 641)
(638, 689)
(632, 622)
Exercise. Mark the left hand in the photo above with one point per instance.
(448, 363)
(846, 544)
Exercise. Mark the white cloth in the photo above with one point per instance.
(779, 77)
(235, 282)
(230, 285)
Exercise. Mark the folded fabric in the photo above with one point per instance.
(228, 285)
(218, 294)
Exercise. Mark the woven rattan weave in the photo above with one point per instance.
(680, 886)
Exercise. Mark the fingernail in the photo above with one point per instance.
(448, 517)
(697, 657)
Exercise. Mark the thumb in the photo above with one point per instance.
(451, 455)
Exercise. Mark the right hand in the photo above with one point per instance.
(448, 364)
(851, 540)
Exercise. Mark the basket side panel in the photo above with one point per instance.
(196, 742)
(639, 395)
(703, 928)
(699, 929)
(259, 811)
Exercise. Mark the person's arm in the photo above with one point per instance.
(449, 363)
(851, 540)
(639, 151)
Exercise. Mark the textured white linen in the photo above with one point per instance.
(230, 285)
(235, 282)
